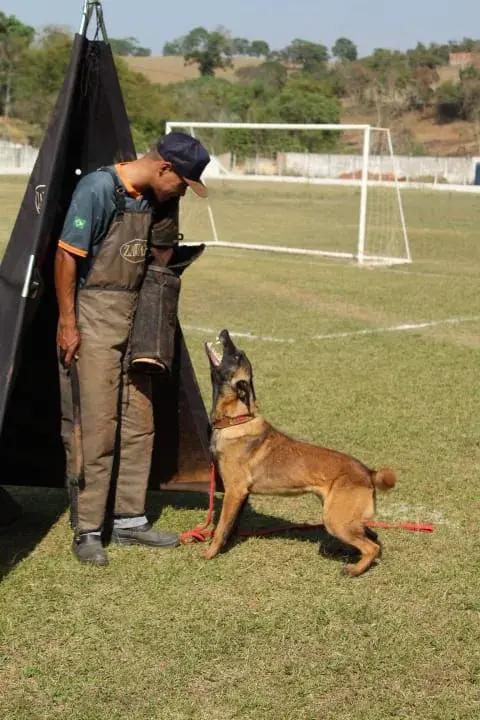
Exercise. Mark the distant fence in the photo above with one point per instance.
(16, 158)
(20, 159)
(450, 170)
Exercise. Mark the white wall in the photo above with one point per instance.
(15, 158)
(20, 159)
(455, 170)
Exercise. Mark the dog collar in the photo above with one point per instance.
(231, 421)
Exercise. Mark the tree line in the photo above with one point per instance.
(304, 82)
(215, 50)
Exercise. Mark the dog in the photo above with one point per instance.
(251, 456)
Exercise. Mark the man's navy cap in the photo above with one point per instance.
(188, 157)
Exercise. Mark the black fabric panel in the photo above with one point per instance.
(89, 128)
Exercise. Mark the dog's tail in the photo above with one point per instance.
(384, 479)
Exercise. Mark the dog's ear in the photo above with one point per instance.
(244, 393)
(253, 389)
(252, 386)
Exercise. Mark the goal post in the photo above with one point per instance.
(314, 189)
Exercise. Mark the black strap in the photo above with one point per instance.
(120, 202)
(76, 478)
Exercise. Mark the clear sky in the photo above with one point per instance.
(395, 24)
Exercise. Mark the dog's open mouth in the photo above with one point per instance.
(214, 355)
(221, 349)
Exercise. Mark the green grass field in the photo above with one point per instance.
(380, 363)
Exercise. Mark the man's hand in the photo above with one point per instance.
(68, 337)
(68, 340)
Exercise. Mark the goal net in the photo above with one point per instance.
(330, 190)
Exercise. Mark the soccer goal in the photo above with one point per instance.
(328, 190)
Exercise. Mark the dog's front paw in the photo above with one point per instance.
(350, 571)
(209, 553)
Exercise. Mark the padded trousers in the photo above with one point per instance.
(116, 411)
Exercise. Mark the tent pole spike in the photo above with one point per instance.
(88, 8)
(86, 15)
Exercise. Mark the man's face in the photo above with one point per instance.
(166, 184)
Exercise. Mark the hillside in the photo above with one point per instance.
(409, 130)
(165, 69)
(455, 138)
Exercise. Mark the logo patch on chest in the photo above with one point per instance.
(134, 251)
(79, 223)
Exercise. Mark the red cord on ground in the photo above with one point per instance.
(201, 532)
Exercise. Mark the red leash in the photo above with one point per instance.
(201, 532)
(415, 527)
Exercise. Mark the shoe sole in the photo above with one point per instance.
(133, 541)
(99, 563)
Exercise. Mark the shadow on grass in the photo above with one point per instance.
(251, 523)
(35, 510)
(29, 513)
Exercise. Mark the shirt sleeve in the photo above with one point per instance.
(89, 214)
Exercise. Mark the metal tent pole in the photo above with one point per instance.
(88, 8)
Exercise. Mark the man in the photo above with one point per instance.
(107, 237)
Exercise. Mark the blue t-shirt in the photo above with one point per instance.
(90, 214)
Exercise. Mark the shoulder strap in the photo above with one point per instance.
(119, 191)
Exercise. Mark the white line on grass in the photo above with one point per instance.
(239, 334)
(338, 335)
(414, 513)
(399, 328)
(313, 261)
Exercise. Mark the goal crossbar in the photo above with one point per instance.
(365, 182)
(169, 126)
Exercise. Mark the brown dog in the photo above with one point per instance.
(253, 457)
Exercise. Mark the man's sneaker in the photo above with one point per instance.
(88, 548)
(145, 535)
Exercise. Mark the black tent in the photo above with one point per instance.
(89, 128)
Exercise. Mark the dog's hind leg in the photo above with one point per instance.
(232, 503)
(355, 535)
(349, 527)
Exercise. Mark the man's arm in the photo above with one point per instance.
(86, 219)
(68, 336)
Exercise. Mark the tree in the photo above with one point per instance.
(41, 73)
(345, 49)
(272, 75)
(142, 52)
(355, 80)
(173, 47)
(307, 54)
(425, 79)
(440, 52)
(449, 102)
(390, 82)
(259, 48)
(209, 50)
(465, 45)
(148, 105)
(128, 46)
(293, 106)
(241, 46)
(15, 37)
(301, 105)
(470, 83)
(211, 98)
(428, 57)
(195, 40)
(308, 83)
